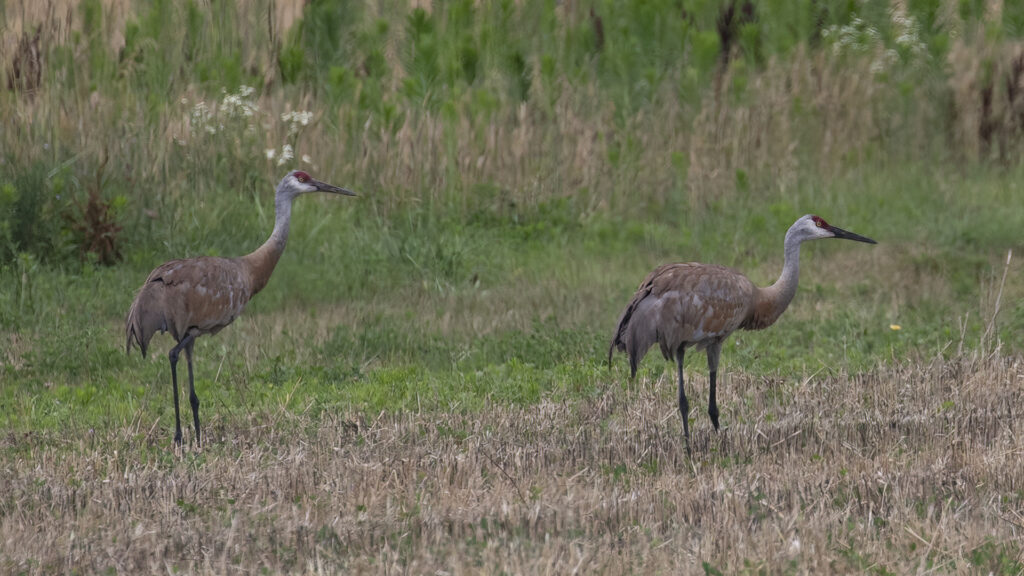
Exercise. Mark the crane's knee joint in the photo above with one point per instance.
(194, 400)
(173, 355)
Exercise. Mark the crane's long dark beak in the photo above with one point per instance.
(325, 187)
(840, 233)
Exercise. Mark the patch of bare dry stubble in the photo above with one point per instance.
(897, 468)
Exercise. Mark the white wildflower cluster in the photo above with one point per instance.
(908, 34)
(861, 37)
(240, 111)
(286, 155)
(240, 104)
(297, 120)
(202, 119)
(857, 36)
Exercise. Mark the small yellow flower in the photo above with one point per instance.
(895, 327)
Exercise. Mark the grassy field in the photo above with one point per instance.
(423, 386)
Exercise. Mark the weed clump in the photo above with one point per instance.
(93, 222)
(25, 73)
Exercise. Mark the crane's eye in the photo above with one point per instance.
(302, 177)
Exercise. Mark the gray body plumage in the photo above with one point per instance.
(688, 305)
(693, 305)
(197, 296)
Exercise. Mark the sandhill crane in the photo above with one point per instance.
(693, 305)
(197, 296)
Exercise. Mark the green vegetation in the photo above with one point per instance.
(521, 166)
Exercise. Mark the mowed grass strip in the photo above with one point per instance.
(907, 467)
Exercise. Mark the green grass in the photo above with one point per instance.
(445, 310)
(440, 312)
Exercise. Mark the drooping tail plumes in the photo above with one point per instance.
(635, 334)
(145, 317)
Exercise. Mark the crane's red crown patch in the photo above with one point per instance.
(820, 222)
(302, 176)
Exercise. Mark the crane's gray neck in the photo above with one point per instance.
(282, 221)
(785, 286)
(260, 264)
(771, 302)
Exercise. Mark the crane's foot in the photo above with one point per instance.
(713, 412)
(177, 438)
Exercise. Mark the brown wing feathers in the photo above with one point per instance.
(682, 304)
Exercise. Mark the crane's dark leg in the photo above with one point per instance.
(173, 356)
(684, 406)
(192, 398)
(713, 352)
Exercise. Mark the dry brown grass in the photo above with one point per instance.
(767, 133)
(812, 113)
(908, 468)
(987, 85)
(536, 152)
(60, 16)
(560, 144)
